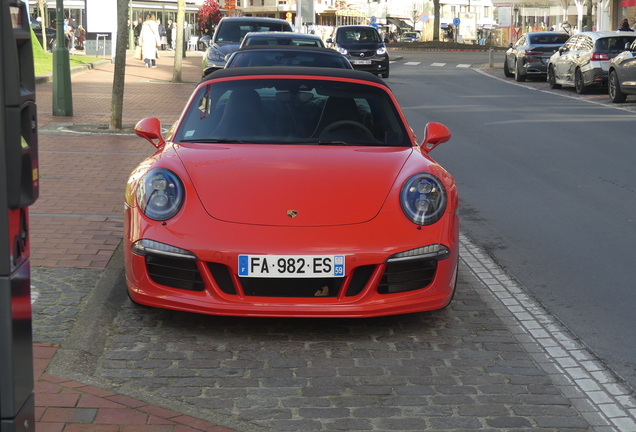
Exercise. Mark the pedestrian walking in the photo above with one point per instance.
(169, 34)
(149, 40)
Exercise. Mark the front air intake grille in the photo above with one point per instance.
(174, 272)
(359, 279)
(367, 54)
(407, 275)
(223, 278)
(290, 287)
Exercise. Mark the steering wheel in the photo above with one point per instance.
(347, 124)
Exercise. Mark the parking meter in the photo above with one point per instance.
(18, 189)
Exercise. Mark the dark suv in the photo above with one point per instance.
(228, 36)
(364, 48)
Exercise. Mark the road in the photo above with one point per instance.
(547, 186)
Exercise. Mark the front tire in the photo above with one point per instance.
(552, 78)
(579, 83)
(386, 74)
(614, 89)
(519, 77)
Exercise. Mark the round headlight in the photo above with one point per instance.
(342, 51)
(381, 50)
(423, 198)
(160, 194)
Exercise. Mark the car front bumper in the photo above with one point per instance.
(362, 292)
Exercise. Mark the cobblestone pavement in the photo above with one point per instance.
(492, 361)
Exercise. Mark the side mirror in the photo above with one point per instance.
(561, 50)
(227, 57)
(329, 40)
(150, 129)
(510, 46)
(434, 134)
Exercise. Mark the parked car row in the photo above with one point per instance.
(583, 61)
(360, 46)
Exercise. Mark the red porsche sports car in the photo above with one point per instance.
(291, 192)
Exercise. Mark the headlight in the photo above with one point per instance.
(160, 194)
(381, 50)
(215, 55)
(423, 198)
(342, 51)
(144, 246)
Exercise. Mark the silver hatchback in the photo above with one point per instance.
(583, 61)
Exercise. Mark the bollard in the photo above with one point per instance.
(491, 58)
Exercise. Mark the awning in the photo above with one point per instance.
(628, 3)
(401, 24)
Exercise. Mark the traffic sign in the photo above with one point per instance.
(424, 18)
(456, 21)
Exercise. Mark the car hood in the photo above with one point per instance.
(226, 48)
(360, 46)
(262, 184)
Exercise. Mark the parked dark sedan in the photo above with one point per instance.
(229, 34)
(528, 57)
(285, 55)
(622, 75)
(364, 48)
(584, 60)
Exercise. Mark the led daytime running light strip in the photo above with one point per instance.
(432, 251)
(145, 246)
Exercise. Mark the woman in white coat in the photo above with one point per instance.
(149, 40)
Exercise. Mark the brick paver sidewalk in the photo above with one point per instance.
(77, 223)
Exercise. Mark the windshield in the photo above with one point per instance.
(234, 31)
(271, 57)
(549, 39)
(293, 111)
(357, 34)
(284, 40)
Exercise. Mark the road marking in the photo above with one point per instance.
(570, 366)
(461, 65)
(412, 63)
(438, 64)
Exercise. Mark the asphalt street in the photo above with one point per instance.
(494, 360)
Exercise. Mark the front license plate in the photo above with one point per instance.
(291, 266)
(361, 62)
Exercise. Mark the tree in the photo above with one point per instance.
(415, 15)
(117, 101)
(178, 48)
(44, 15)
(436, 12)
(209, 14)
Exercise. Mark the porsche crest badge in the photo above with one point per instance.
(292, 213)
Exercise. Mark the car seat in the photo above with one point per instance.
(243, 117)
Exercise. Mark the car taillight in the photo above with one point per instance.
(531, 55)
(599, 56)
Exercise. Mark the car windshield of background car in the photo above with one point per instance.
(235, 31)
(293, 111)
(357, 35)
(616, 44)
(555, 39)
(281, 40)
(273, 57)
